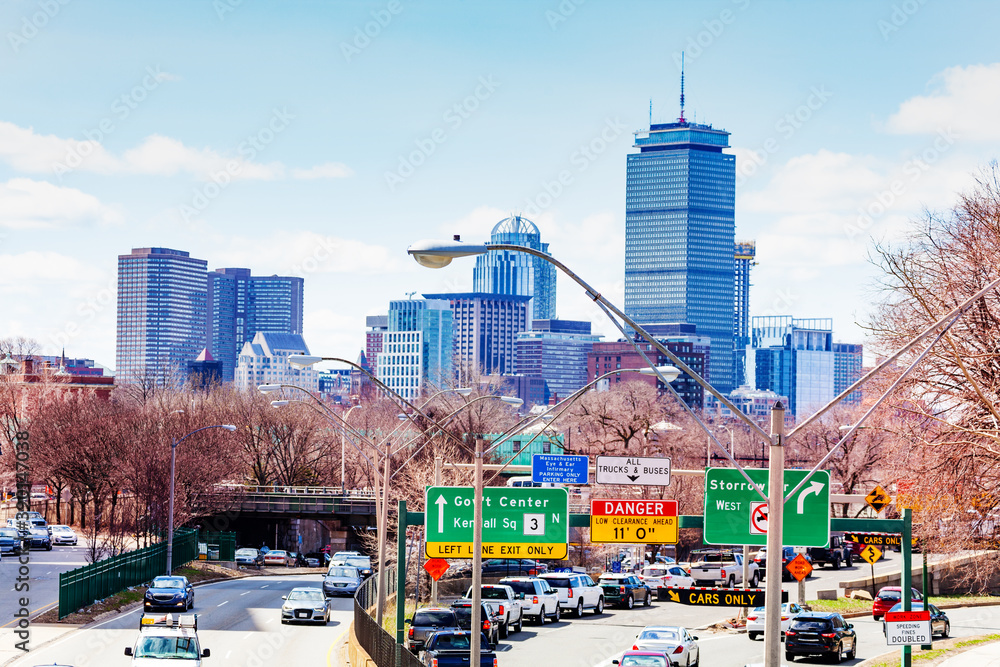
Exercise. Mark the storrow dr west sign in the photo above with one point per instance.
(735, 513)
(517, 522)
(560, 468)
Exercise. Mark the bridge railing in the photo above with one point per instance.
(283, 499)
(297, 490)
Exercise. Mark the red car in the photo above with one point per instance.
(889, 596)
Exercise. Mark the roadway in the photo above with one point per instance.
(239, 620)
(44, 569)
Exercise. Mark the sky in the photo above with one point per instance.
(320, 139)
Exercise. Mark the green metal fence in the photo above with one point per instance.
(221, 546)
(90, 583)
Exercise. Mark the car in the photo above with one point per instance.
(315, 559)
(39, 538)
(680, 646)
(425, 622)
(512, 567)
(489, 621)
(345, 554)
(453, 648)
(277, 557)
(171, 638)
(661, 575)
(540, 600)
(305, 604)
(11, 541)
(625, 590)
(342, 580)
(820, 633)
(504, 603)
(642, 659)
(63, 535)
(169, 592)
(576, 592)
(788, 554)
(249, 556)
(888, 596)
(755, 619)
(362, 563)
(940, 625)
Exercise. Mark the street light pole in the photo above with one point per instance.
(173, 465)
(477, 558)
(383, 525)
(775, 506)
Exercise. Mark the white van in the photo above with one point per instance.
(518, 482)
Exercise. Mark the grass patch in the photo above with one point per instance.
(848, 605)
(389, 616)
(980, 640)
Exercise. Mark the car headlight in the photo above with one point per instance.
(320, 609)
(285, 607)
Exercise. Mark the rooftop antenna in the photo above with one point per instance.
(650, 111)
(409, 295)
(681, 119)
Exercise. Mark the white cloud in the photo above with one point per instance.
(28, 204)
(26, 272)
(29, 152)
(966, 99)
(165, 156)
(325, 170)
(304, 253)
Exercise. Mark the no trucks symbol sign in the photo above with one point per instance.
(758, 518)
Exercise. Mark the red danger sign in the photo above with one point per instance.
(633, 507)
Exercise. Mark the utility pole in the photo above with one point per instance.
(438, 464)
(775, 511)
(383, 522)
(476, 628)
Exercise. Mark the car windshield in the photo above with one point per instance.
(810, 625)
(8, 532)
(494, 594)
(246, 552)
(654, 572)
(526, 587)
(440, 618)
(316, 595)
(614, 581)
(362, 563)
(712, 558)
(890, 595)
(453, 642)
(914, 606)
(62, 529)
(167, 582)
(349, 572)
(464, 615)
(561, 582)
(39, 532)
(658, 635)
(167, 647)
(643, 661)
(278, 554)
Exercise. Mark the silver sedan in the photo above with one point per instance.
(308, 605)
(680, 645)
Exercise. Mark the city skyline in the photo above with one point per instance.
(191, 136)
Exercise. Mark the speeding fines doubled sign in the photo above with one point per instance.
(903, 628)
(633, 521)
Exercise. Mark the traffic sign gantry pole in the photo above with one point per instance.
(477, 559)
(775, 505)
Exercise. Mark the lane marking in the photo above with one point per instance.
(242, 594)
(223, 602)
(33, 614)
(329, 654)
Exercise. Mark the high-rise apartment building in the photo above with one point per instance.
(377, 326)
(743, 259)
(555, 350)
(680, 193)
(516, 273)
(794, 358)
(485, 327)
(417, 347)
(162, 313)
(264, 360)
(607, 357)
(241, 304)
(848, 364)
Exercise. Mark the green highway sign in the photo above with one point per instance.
(531, 522)
(736, 514)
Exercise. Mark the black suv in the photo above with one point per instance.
(490, 623)
(820, 633)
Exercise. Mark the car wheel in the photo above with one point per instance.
(599, 609)
(540, 619)
(836, 563)
(839, 655)
(789, 657)
(520, 623)
(947, 629)
(849, 562)
(648, 602)
(558, 612)
(579, 608)
(629, 602)
(854, 650)
(753, 635)
(731, 582)
(504, 632)
(753, 581)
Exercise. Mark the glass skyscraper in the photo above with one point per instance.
(515, 273)
(680, 191)
(744, 255)
(162, 312)
(417, 346)
(795, 358)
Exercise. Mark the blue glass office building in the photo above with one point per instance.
(795, 358)
(515, 273)
(680, 191)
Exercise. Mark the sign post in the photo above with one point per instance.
(871, 554)
(633, 470)
(734, 513)
(800, 568)
(517, 522)
(633, 521)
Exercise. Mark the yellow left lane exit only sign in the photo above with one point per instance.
(633, 521)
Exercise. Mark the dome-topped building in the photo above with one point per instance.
(516, 273)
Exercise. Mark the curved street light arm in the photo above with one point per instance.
(689, 410)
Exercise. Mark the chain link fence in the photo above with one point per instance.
(378, 643)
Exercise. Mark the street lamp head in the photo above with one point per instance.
(229, 427)
(303, 360)
(847, 427)
(669, 373)
(278, 404)
(463, 391)
(512, 400)
(438, 254)
(268, 388)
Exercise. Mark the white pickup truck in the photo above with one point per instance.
(722, 568)
(502, 601)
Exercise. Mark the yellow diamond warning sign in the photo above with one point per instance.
(877, 499)
(633, 521)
